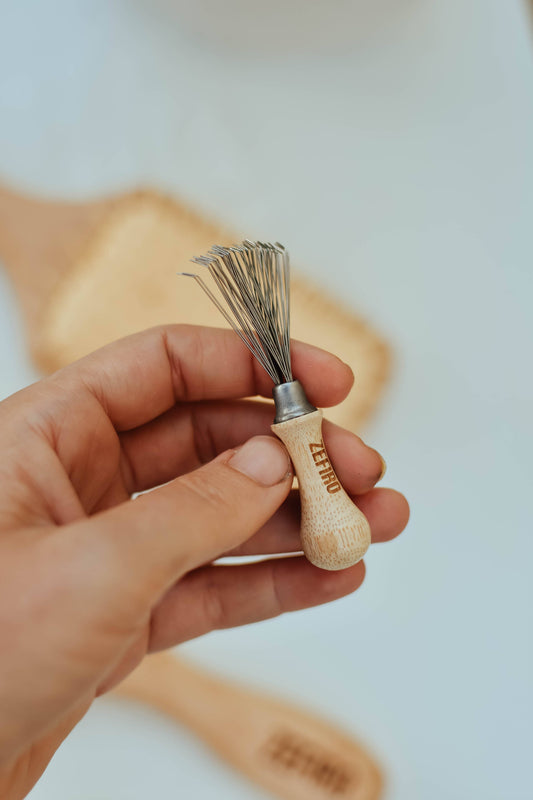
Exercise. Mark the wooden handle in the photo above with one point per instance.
(282, 748)
(334, 533)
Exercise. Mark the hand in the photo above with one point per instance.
(90, 580)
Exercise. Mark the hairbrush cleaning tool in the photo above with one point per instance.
(253, 282)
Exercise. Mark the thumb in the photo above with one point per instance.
(99, 579)
(150, 542)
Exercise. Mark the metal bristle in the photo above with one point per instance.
(252, 279)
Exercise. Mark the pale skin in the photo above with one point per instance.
(91, 580)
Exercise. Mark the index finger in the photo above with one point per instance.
(141, 376)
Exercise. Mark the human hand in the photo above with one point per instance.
(90, 581)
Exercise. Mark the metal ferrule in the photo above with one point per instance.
(290, 401)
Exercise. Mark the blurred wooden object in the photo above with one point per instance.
(39, 243)
(290, 752)
(88, 273)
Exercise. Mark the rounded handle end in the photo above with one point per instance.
(335, 541)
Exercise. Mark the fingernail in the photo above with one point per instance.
(263, 459)
(383, 467)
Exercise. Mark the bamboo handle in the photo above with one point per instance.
(293, 754)
(334, 533)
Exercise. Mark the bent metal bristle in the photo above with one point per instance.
(253, 285)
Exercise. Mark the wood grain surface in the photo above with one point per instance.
(334, 533)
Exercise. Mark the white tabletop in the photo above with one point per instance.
(391, 151)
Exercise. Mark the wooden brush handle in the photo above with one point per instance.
(290, 752)
(334, 533)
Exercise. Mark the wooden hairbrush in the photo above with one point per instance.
(290, 752)
(89, 273)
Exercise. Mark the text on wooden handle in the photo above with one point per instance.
(323, 465)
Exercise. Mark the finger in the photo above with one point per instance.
(102, 576)
(131, 554)
(191, 434)
(138, 378)
(187, 436)
(386, 510)
(358, 466)
(217, 597)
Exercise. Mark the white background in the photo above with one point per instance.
(389, 145)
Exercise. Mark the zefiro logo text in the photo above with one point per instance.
(323, 465)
